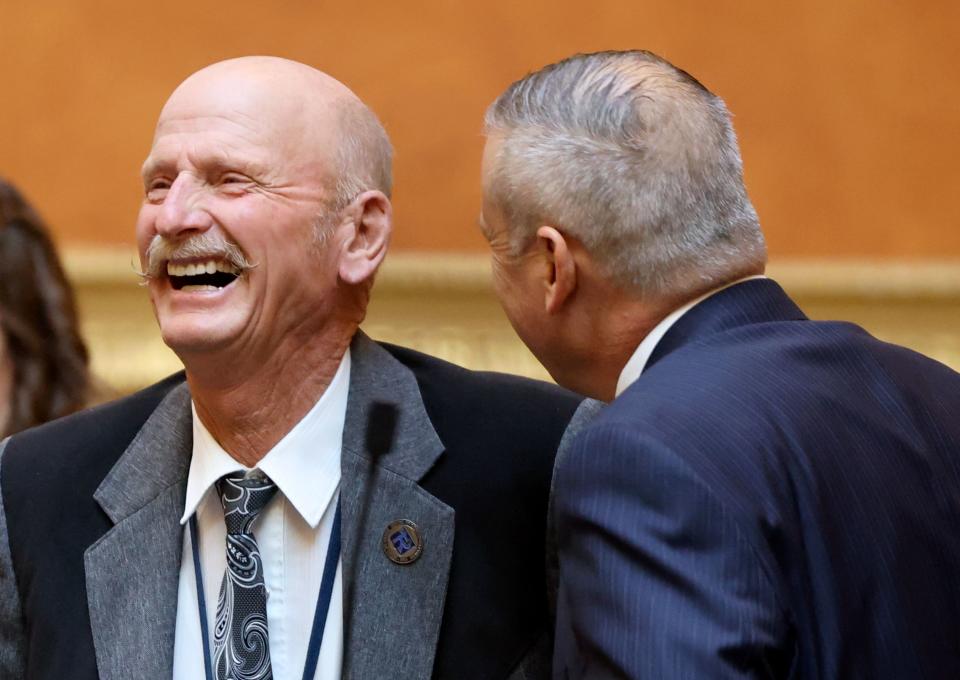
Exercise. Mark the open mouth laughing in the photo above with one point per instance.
(203, 275)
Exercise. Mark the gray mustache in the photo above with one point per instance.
(206, 245)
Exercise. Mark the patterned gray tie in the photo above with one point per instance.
(241, 645)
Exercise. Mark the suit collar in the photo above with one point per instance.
(304, 464)
(132, 572)
(389, 444)
(392, 613)
(638, 361)
(157, 458)
(751, 302)
(386, 420)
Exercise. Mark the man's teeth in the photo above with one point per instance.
(208, 267)
(193, 287)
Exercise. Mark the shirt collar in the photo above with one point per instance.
(641, 355)
(305, 464)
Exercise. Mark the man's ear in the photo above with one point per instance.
(365, 246)
(561, 281)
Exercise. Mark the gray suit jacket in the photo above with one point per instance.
(131, 571)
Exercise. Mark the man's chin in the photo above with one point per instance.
(186, 343)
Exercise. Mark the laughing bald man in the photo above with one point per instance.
(301, 502)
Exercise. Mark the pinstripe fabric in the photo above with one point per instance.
(773, 498)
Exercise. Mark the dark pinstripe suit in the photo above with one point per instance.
(773, 498)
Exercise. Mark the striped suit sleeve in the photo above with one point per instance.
(657, 579)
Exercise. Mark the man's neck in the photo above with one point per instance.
(592, 367)
(624, 325)
(249, 408)
(621, 320)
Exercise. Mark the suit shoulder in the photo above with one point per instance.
(500, 435)
(83, 439)
(503, 428)
(487, 392)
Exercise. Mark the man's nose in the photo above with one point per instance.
(183, 209)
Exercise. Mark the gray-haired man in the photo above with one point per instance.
(767, 496)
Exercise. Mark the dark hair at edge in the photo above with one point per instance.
(38, 318)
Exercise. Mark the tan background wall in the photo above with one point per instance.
(848, 111)
(443, 305)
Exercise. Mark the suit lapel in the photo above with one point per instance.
(132, 572)
(392, 613)
(750, 302)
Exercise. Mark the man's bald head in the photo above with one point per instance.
(314, 120)
(265, 215)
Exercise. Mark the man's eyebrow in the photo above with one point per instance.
(151, 167)
(219, 163)
(216, 163)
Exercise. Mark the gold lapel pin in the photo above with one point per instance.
(402, 542)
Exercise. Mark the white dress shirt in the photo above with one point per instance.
(293, 534)
(641, 355)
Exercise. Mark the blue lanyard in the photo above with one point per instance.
(319, 615)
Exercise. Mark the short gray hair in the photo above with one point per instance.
(363, 161)
(364, 155)
(637, 160)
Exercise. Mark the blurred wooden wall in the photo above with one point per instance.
(848, 112)
(443, 304)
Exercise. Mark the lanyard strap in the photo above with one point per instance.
(201, 599)
(319, 615)
(323, 599)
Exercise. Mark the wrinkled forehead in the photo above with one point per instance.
(255, 111)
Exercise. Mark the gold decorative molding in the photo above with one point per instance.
(869, 279)
(443, 304)
(471, 271)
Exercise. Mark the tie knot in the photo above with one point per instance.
(243, 496)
